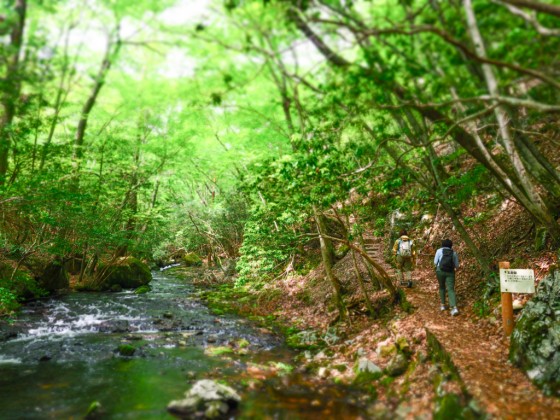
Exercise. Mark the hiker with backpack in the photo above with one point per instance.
(446, 261)
(405, 257)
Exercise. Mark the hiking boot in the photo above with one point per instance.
(442, 308)
(454, 311)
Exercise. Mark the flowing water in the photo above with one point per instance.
(61, 355)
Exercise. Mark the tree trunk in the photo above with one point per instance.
(327, 264)
(77, 153)
(10, 94)
(362, 284)
(544, 212)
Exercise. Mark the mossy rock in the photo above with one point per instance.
(341, 252)
(143, 289)
(242, 343)
(192, 260)
(397, 366)
(126, 350)
(535, 342)
(54, 277)
(127, 272)
(218, 351)
(94, 411)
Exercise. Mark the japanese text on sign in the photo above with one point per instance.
(517, 281)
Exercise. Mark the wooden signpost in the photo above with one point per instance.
(513, 281)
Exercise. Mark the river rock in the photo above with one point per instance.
(535, 342)
(127, 272)
(114, 326)
(206, 399)
(191, 260)
(54, 277)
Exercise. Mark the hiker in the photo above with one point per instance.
(446, 261)
(405, 257)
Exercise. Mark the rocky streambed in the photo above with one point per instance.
(127, 355)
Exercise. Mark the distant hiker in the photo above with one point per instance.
(446, 261)
(405, 257)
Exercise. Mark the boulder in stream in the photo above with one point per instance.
(535, 342)
(127, 272)
(114, 326)
(191, 260)
(207, 399)
(54, 277)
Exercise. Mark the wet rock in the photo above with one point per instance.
(94, 411)
(54, 277)
(45, 358)
(134, 337)
(116, 288)
(115, 326)
(9, 332)
(206, 399)
(397, 366)
(242, 343)
(143, 289)
(218, 351)
(535, 342)
(126, 350)
(191, 260)
(127, 272)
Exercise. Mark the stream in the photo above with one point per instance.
(61, 355)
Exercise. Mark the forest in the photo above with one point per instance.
(215, 193)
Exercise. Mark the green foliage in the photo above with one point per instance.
(8, 301)
(264, 249)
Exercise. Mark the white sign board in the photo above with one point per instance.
(517, 280)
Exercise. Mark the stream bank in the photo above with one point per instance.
(386, 357)
(131, 354)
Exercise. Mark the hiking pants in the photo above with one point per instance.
(446, 282)
(404, 264)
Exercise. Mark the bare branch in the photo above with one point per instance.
(549, 9)
(531, 19)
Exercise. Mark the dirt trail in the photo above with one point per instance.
(477, 348)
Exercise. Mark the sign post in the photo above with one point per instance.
(507, 304)
(513, 281)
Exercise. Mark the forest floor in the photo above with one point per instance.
(474, 344)
(479, 350)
